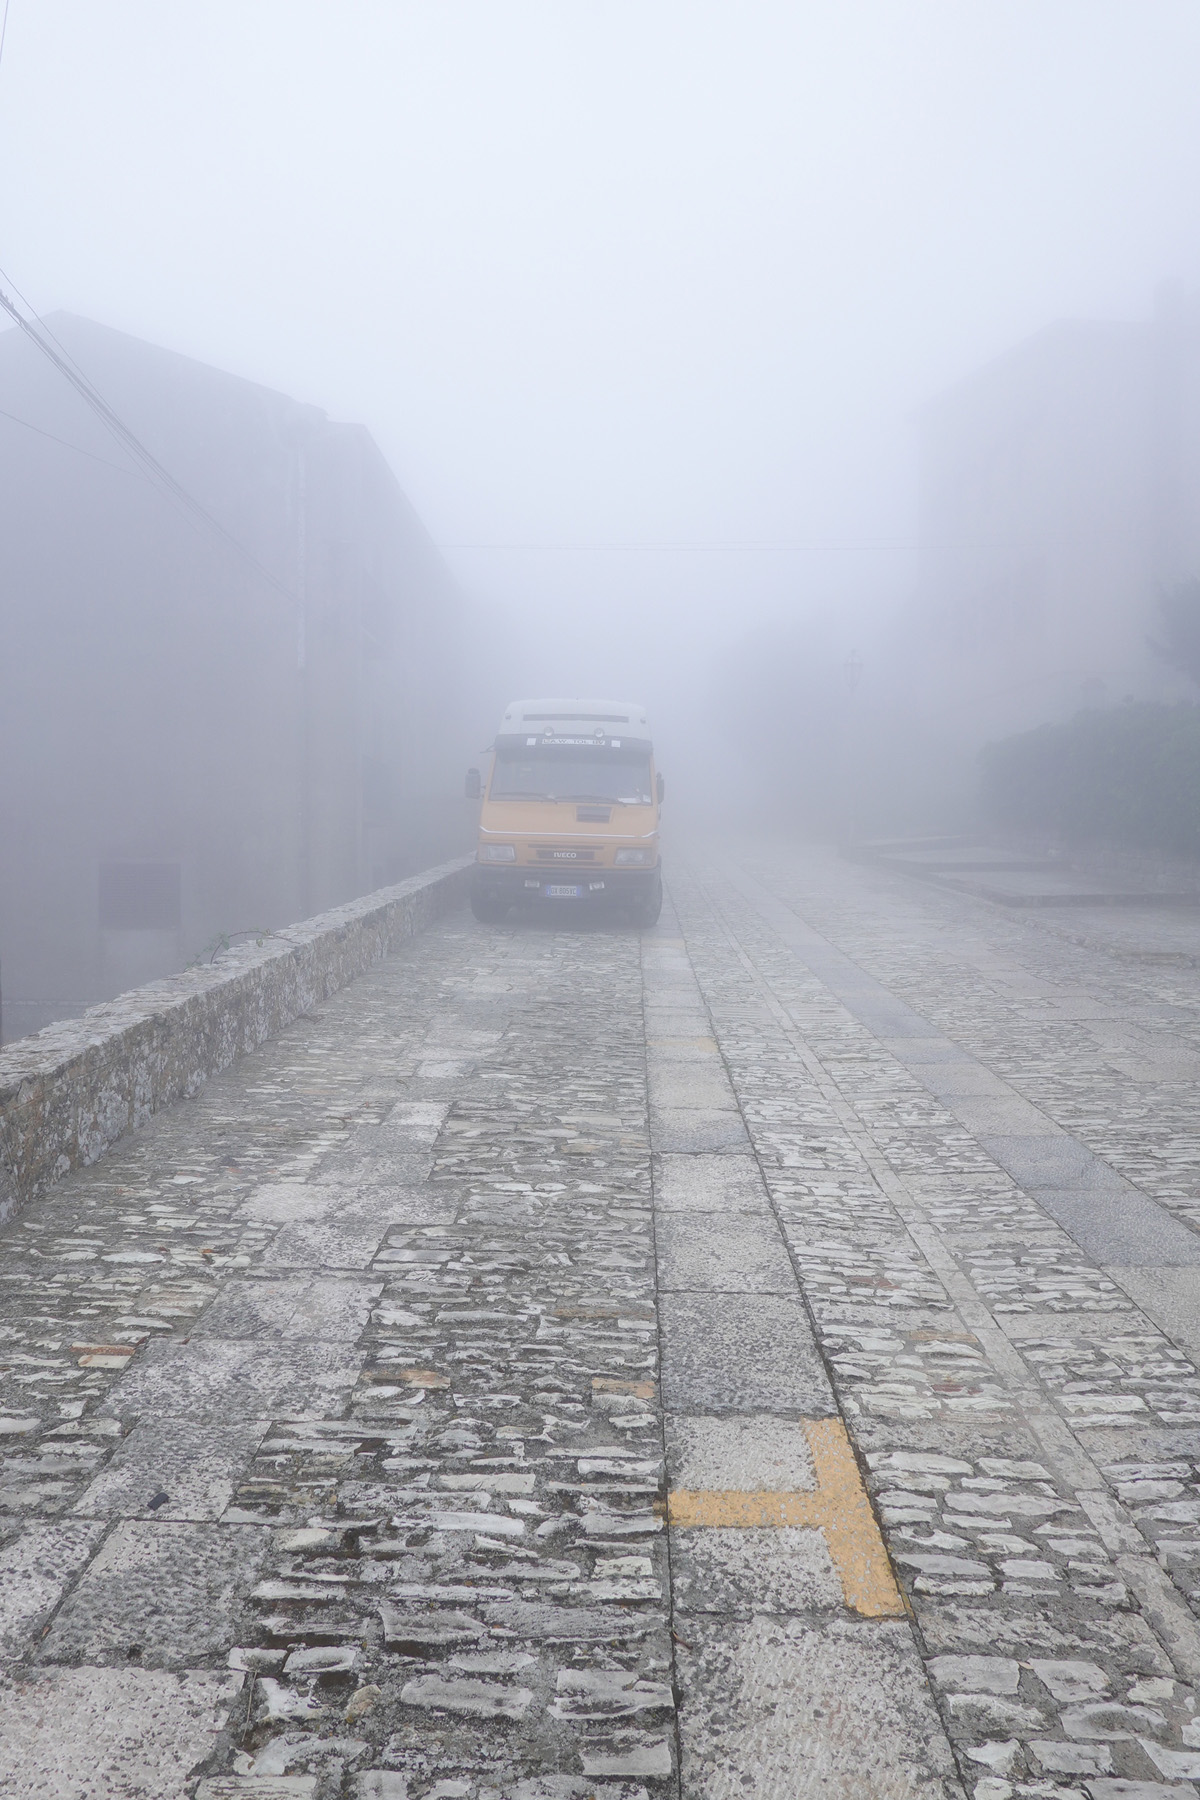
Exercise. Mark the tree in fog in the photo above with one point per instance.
(1179, 608)
(783, 701)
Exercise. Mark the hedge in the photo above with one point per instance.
(1130, 775)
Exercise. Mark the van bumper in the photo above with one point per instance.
(596, 888)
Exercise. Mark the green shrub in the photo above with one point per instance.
(1128, 776)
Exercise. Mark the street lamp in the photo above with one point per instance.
(852, 670)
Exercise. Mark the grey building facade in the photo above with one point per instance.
(1060, 491)
(201, 736)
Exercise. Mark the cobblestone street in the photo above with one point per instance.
(751, 1357)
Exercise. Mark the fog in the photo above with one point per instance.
(653, 310)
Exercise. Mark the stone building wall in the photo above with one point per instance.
(191, 746)
(1060, 488)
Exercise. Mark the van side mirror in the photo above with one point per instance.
(662, 788)
(471, 786)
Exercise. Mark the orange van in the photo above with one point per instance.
(570, 811)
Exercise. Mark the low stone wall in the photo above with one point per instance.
(69, 1091)
(1156, 870)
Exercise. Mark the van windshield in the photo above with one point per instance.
(563, 775)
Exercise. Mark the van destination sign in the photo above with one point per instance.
(585, 743)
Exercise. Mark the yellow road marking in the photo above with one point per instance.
(641, 1390)
(703, 1506)
(837, 1507)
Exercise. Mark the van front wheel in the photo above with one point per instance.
(488, 912)
(646, 912)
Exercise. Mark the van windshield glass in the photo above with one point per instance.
(563, 775)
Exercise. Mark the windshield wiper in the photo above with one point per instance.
(582, 799)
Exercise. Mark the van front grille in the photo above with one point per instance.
(554, 853)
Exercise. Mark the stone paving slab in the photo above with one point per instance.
(1124, 1226)
(175, 1467)
(36, 1567)
(784, 1705)
(722, 1253)
(122, 1733)
(158, 1594)
(728, 1351)
(703, 1183)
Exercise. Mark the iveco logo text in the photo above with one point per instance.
(564, 855)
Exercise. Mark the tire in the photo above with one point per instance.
(488, 912)
(645, 913)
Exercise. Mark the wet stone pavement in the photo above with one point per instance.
(755, 1357)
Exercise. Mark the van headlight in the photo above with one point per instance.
(624, 858)
(497, 853)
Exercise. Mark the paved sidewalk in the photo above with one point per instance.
(754, 1357)
(981, 1142)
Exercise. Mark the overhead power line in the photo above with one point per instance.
(41, 323)
(47, 344)
(121, 468)
(688, 549)
(864, 546)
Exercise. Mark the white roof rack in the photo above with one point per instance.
(568, 718)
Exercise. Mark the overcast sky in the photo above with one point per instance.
(610, 274)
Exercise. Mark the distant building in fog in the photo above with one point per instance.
(1060, 490)
(186, 750)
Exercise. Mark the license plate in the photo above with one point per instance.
(562, 893)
